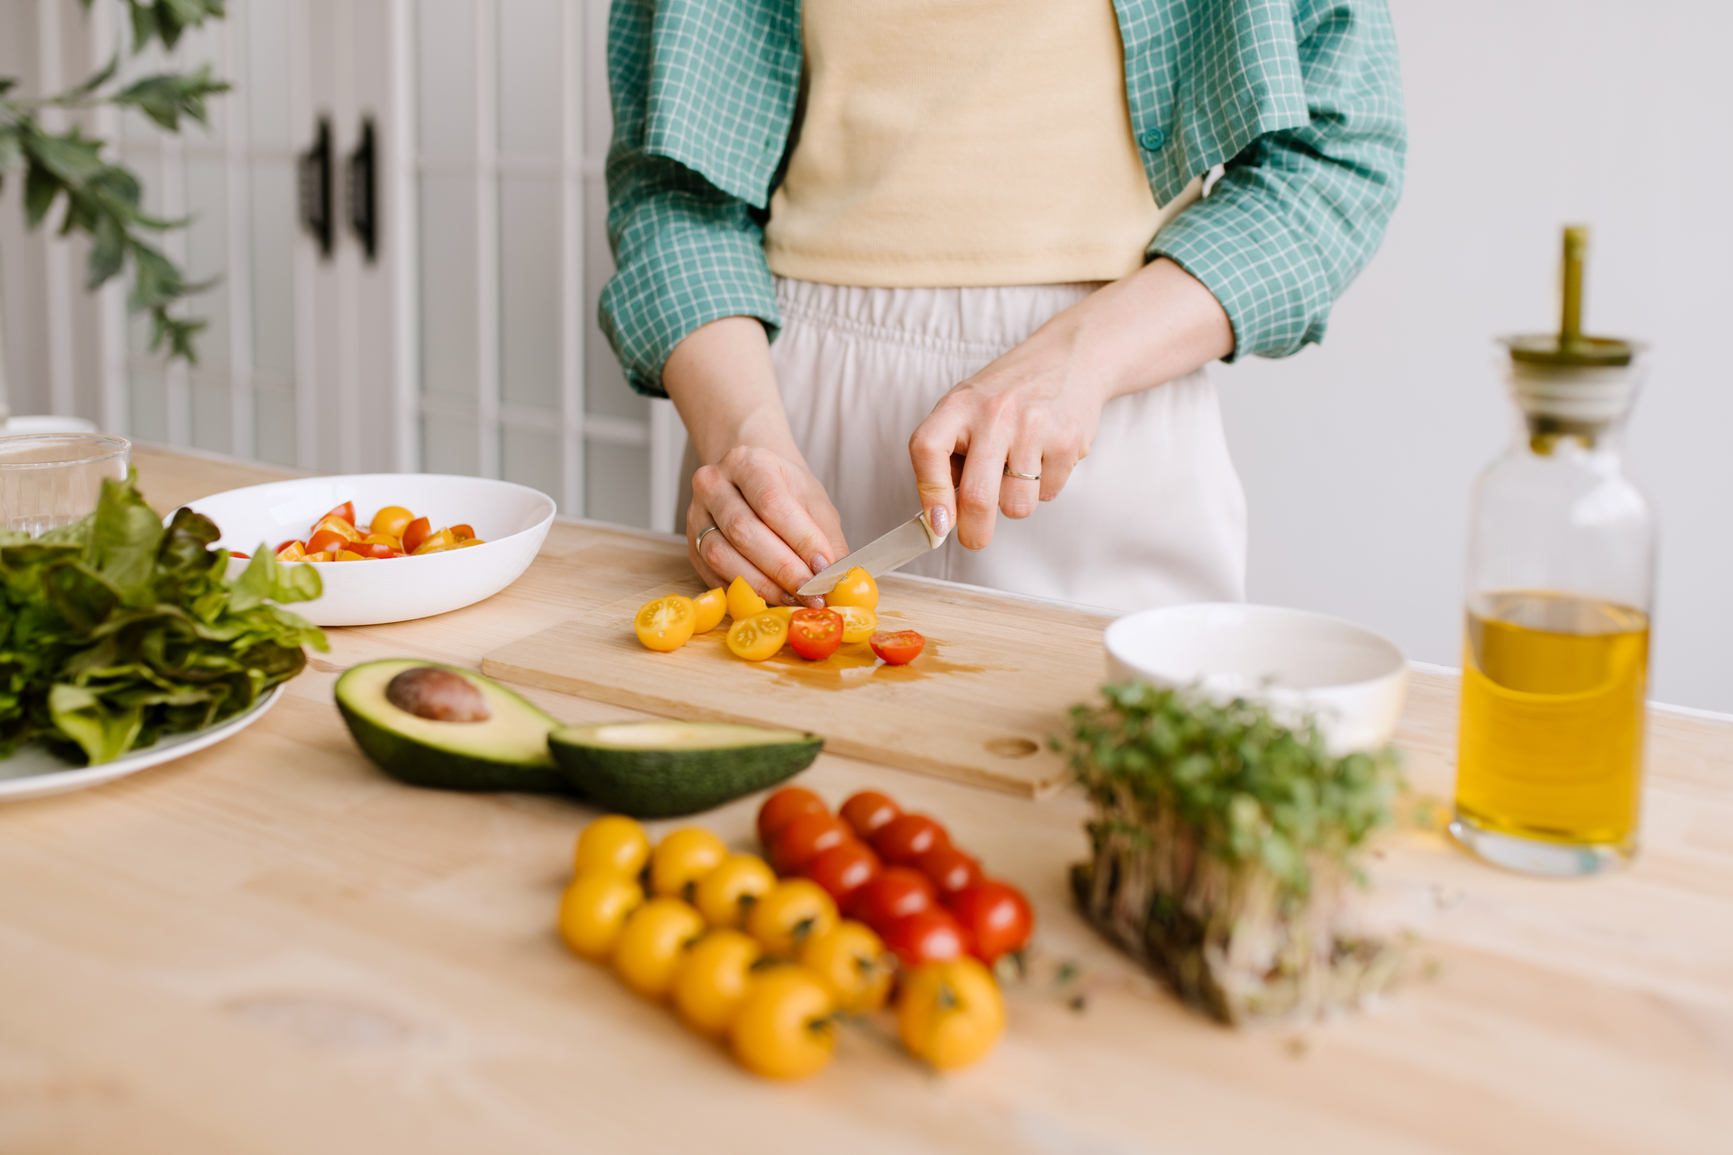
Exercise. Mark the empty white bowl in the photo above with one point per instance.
(1349, 678)
(511, 519)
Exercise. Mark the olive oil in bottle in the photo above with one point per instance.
(1561, 571)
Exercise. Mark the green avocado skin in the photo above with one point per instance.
(671, 783)
(420, 764)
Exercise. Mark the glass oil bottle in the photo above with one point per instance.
(1560, 587)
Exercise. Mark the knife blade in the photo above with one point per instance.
(880, 556)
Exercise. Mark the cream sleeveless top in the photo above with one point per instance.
(963, 143)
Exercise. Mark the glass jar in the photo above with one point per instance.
(1555, 656)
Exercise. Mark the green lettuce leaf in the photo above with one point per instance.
(115, 630)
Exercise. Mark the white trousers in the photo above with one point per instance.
(1155, 515)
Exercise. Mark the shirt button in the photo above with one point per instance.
(1152, 139)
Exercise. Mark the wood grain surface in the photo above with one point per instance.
(978, 705)
(269, 948)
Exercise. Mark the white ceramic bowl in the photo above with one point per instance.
(1351, 679)
(511, 519)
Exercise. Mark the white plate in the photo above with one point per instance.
(511, 519)
(34, 772)
(1350, 679)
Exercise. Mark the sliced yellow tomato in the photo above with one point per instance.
(757, 637)
(785, 613)
(294, 551)
(377, 538)
(856, 588)
(392, 521)
(710, 606)
(469, 541)
(858, 623)
(743, 600)
(437, 543)
(663, 624)
(337, 526)
(351, 555)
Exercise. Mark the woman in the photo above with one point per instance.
(973, 232)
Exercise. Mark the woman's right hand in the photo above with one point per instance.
(775, 525)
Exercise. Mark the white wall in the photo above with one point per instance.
(1525, 114)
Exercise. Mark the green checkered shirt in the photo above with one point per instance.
(1299, 100)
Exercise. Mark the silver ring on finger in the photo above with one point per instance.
(698, 545)
(1009, 472)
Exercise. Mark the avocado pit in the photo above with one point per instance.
(437, 695)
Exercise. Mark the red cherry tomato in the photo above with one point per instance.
(805, 838)
(238, 553)
(868, 811)
(374, 549)
(843, 869)
(925, 936)
(346, 511)
(415, 533)
(996, 916)
(906, 837)
(898, 649)
(815, 634)
(951, 870)
(463, 531)
(784, 807)
(324, 540)
(897, 892)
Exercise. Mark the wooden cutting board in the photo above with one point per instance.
(978, 705)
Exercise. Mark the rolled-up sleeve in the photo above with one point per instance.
(1297, 214)
(685, 253)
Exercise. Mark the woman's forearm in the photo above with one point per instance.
(1158, 324)
(720, 379)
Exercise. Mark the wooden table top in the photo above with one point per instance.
(269, 947)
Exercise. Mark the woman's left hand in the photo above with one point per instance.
(1035, 410)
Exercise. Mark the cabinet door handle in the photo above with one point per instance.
(315, 174)
(360, 192)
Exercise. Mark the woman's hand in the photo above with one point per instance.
(775, 525)
(1036, 410)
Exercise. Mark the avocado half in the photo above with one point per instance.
(661, 769)
(507, 751)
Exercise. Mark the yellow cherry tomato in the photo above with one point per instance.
(708, 608)
(614, 844)
(757, 637)
(798, 909)
(392, 521)
(858, 623)
(783, 1027)
(653, 944)
(743, 600)
(852, 961)
(950, 1013)
(726, 894)
(856, 588)
(784, 614)
(712, 980)
(665, 624)
(594, 910)
(682, 859)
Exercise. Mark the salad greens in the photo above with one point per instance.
(116, 630)
(1225, 845)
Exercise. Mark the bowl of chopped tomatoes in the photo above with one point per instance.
(389, 547)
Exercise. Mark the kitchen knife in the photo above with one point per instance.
(897, 548)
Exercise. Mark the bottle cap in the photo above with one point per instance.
(1570, 348)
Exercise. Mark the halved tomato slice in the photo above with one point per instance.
(341, 526)
(324, 540)
(898, 649)
(346, 511)
(415, 533)
(664, 624)
(815, 634)
(757, 637)
(858, 623)
(462, 531)
(711, 606)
